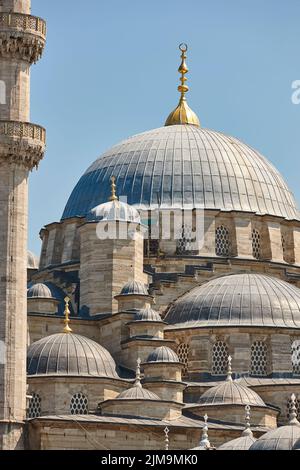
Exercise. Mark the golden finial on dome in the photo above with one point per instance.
(113, 196)
(183, 113)
(67, 329)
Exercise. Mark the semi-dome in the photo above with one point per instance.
(184, 166)
(238, 299)
(147, 314)
(283, 438)
(163, 354)
(69, 354)
(240, 443)
(134, 288)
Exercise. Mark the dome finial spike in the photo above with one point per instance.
(113, 196)
(247, 430)
(183, 113)
(67, 329)
(137, 382)
(167, 441)
(204, 441)
(293, 412)
(183, 70)
(229, 373)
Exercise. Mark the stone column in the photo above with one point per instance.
(243, 237)
(21, 148)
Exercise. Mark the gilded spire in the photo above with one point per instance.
(113, 196)
(67, 329)
(183, 113)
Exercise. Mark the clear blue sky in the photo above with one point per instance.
(110, 71)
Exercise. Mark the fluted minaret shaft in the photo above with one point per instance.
(22, 144)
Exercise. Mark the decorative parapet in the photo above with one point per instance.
(22, 36)
(22, 142)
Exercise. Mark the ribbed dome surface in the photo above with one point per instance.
(40, 290)
(238, 299)
(69, 354)
(148, 314)
(241, 443)
(32, 261)
(283, 438)
(230, 393)
(183, 166)
(115, 210)
(163, 354)
(137, 393)
(134, 287)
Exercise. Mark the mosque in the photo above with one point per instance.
(137, 336)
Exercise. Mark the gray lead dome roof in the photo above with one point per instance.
(238, 299)
(69, 354)
(184, 166)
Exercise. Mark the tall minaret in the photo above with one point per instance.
(22, 145)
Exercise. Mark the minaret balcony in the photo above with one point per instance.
(22, 142)
(22, 36)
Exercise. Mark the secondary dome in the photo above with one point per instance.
(163, 354)
(69, 354)
(238, 299)
(148, 314)
(134, 288)
(230, 392)
(184, 166)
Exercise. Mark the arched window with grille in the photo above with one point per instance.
(219, 358)
(34, 406)
(222, 241)
(183, 351)
(185, 239)
(256, 245)
(259, 359)
(296, 357)
(289, 406)
(79, 404)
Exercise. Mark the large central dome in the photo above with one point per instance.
(184, 166)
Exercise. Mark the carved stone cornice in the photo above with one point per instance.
(22, 36)
(22, 142)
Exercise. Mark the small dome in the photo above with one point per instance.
(163, 354)
(32, 261)
(241, 443)
(48, 290)
(230, 393)
(69, 354)
(134, 288)
(238, 299)
(283, 438)
(147, 314)
(137, 392)
(115, 210)
(297, 445)
(39, 290)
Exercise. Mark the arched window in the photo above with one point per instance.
(34, 407)
(222, 241)
(183, 351)
(79, 404)
(256, 252)
(219, 358)
(296, 357)
(289, 408)
(259, 359)
(185, 239)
